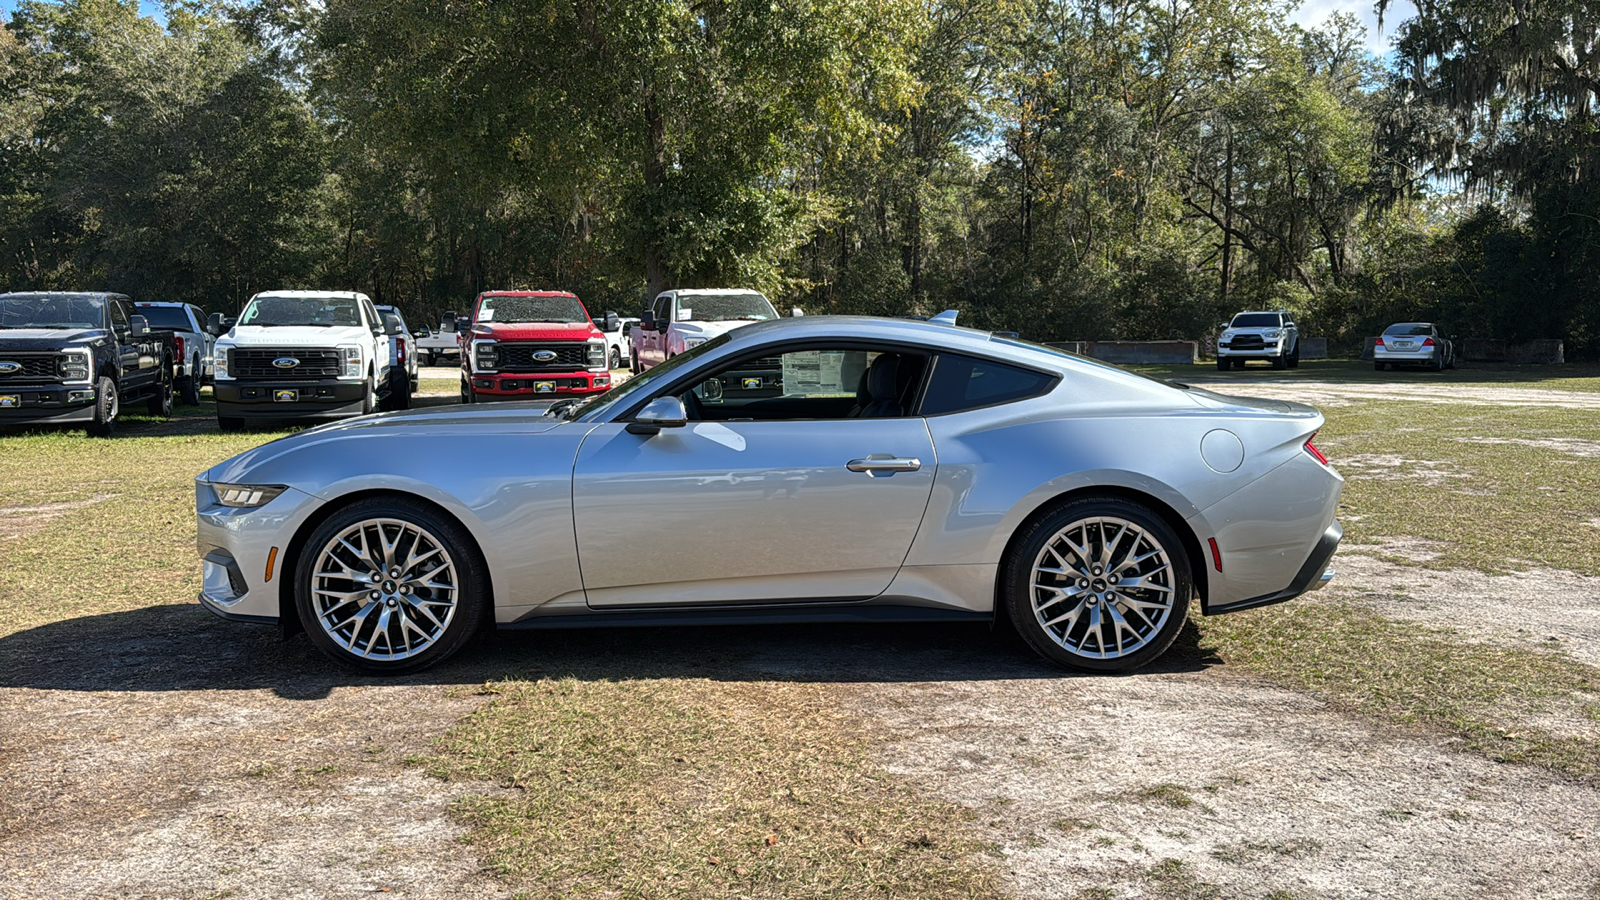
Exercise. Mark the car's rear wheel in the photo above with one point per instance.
(390, 585)
(1378, 366)
(161, 404)
(190, 388)
(1099, 583)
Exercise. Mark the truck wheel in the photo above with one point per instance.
(399, 389)
(230, 423)
(616, 358)
(425, 358)
(1222, 364)
(190, 386)
(106, 406)
(1280, 362)
(1379, 367)
(466, 393)
(161, 404)
(633, 363)
(1294, 358)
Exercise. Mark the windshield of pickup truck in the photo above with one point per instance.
(46, 311)
(1256, 320)
(174, 317)
(556, 310)
(725, 308)
(331, 312)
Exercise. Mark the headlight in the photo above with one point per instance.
(483, 356)
(1227, 334)
(597, 354)
(691, 343)
(219, 362)
(1272, 335)
(350, 361)
(247, 496)
(74, 366)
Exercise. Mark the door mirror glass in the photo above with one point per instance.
(392, 324)
(138, 326)
(613, 323)
(647, 320)
(662, 412)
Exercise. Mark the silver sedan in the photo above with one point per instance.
(801, 470)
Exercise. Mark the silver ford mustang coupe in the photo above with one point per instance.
(818, 469)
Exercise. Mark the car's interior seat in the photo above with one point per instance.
(878, 395)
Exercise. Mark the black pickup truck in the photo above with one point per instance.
(76, 358)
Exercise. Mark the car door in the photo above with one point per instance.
(742, 511)
(136, 356)
(653, 349)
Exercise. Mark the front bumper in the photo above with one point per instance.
(540, 384)
(243, 552)
(319, 399)
(46, 404)
(1271, 350)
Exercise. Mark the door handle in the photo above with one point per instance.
(884, 464)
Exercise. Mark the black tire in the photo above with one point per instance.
(633, 363)
(1438, 362)
(189, 388)
(161, 404)
(1238, 362)
(1280, 362)
(425, 358)
(615, 362)
(461, 608)
(1294, 358)
(230, 423)
(467, 396)
(1092, 518)
(106, 407)
(399, 389)
(1378, 366)
(1223, 364)
(369, 400)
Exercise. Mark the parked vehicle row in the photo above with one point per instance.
(78, 358)
(192, 346)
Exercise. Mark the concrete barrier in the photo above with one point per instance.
(1313, 348)
(1541, 352)
(1136, 352)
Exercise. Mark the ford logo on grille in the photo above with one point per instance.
(286, 362)
(544, 355)
(11, 368)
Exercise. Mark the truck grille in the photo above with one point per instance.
(36, 367)
(518, 357)
(255, 363)
(1247, 342)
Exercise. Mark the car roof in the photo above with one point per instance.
(955, 338)
(529, 294)
(162, 303)
(92, 295)
(709, 291)
(1409, 325)
(316, 295)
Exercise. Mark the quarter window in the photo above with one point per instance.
(965, 382)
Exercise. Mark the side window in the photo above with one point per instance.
(663, 310)
(119, 314)
(811, 384)
(964, 382)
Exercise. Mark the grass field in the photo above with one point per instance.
(683, 786)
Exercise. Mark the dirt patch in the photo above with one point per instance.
(1539, 609)
(1393, 467)
(16, 521)
(1322, 393)
(1208, 785)
(1570, 446)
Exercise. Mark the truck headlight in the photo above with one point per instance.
(350, 361)
(691, 343)
(597, 355)
(484, 356)
(247, 496)
(74, 366)
(1272, 335)
(219, 363)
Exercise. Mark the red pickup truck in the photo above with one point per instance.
(530, 344)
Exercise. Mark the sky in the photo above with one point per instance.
(149, 9)
(1313, 12)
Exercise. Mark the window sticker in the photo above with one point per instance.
(685, 315)
(486, 315)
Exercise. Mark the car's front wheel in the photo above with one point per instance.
(1099, 583)
(390, 585)
(106, 406)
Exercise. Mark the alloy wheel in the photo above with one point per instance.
(385, 589)
(1102, 587)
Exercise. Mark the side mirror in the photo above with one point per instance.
(647, 320)
(138, 326)
(796, 312)
(447, 322)
(1224, 326)
(613, 322)
(662, 412)
(392, 325)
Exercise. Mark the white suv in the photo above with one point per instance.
(1257, 334)
(302, 355)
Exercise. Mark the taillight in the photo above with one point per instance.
(402, 352)
(179, 339)
(1377, 341)
(1427, 342)
(1312, 449)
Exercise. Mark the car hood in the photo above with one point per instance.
(46, 338)
(707, 329)
(497, 418)
(298, 335)
(538, 331)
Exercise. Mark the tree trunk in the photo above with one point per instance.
(657, 279)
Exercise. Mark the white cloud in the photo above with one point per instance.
(1315, 12)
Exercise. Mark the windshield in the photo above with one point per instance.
(1255, 320)
(1410, 329)
(330, 312)
(558, 310)
(174, 317)
(45, 311)
(596, 406)
(724, 308)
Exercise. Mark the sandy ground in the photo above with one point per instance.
(164, 753)
(1276, 386)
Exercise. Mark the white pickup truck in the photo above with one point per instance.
(683, 319)
(302, 355)
(434, 346)
(191, 344)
